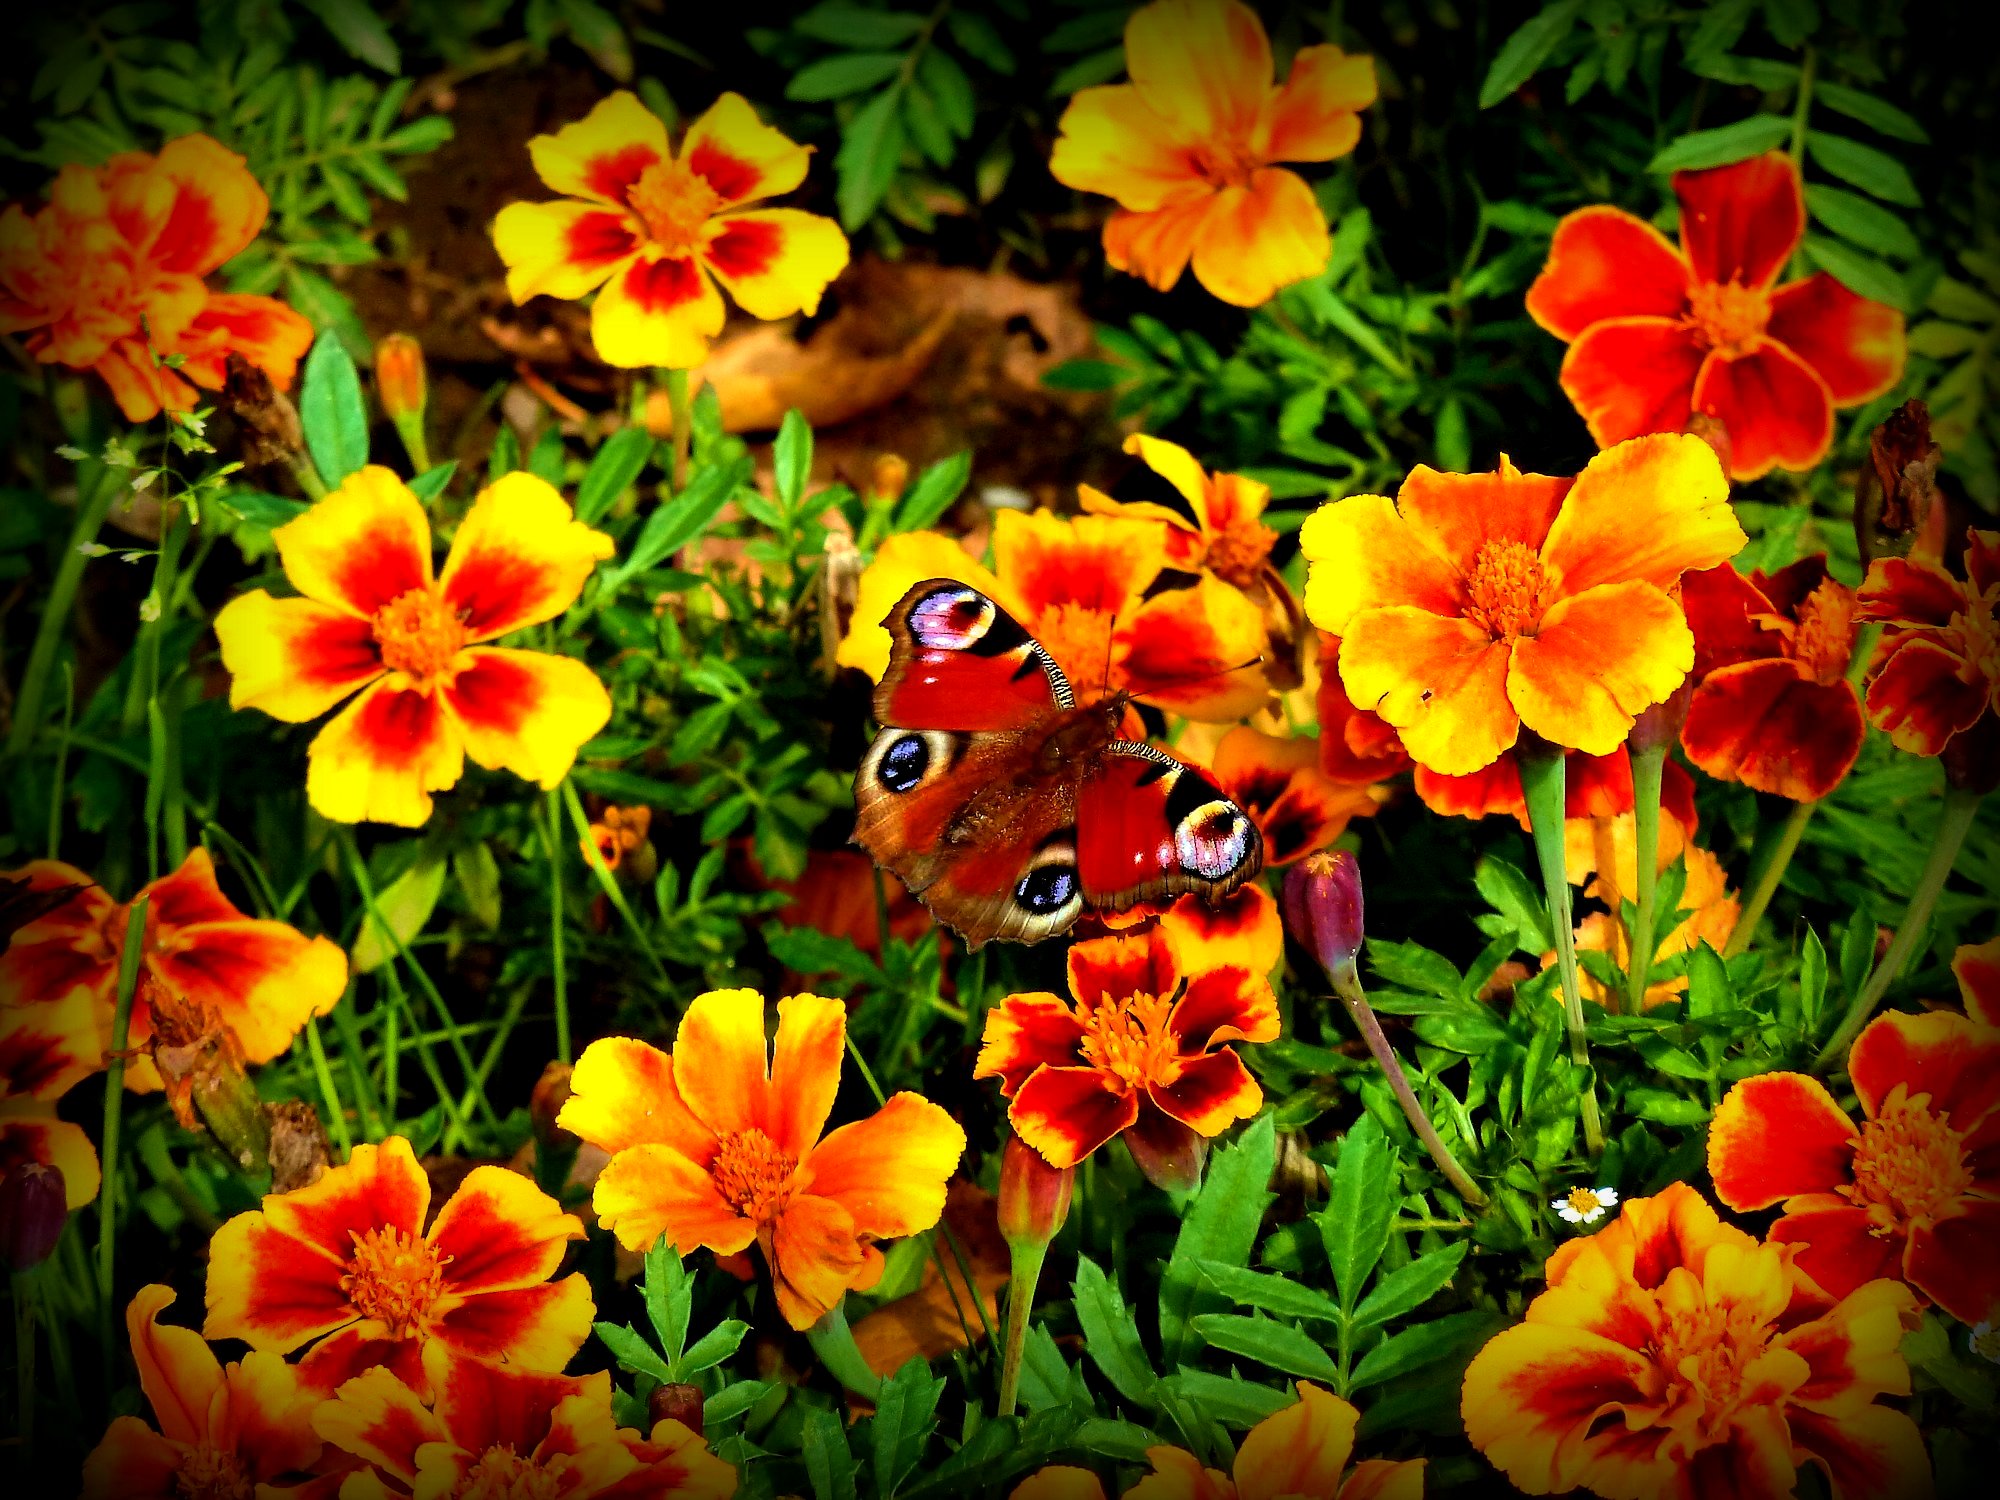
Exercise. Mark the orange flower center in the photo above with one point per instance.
(1080, 639)
(753, 1176)
(673, 202)
(1509, 589)
(502, 1474)
(1223, 164)
(208, 1473)
(1130, 1043)
(394, 1278)
(1727, 316)
(417, 635)
(1909, 1166)
(1703, 1355)
(1824, 637)
(1236, 554)
(1978, 633)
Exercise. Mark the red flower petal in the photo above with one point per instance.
(520, 557)
(1023, 1033)
(1631, 376)
(1606, 263)
(1918, 697)
(1720, 605)
(1067, 1113)
(1952, 1261)
(188, 896)
(380, 1187)
(1224, 1005)
(1982, 558)
(1115, 968)
(382, 756)
(1742, 222)
(1873, 1451)
(1763, 724)
(1355, 747)
(363, 546)
(500, 1231)
(1212, 1093)
(1978, 973)
(1777, 409)
(535, 1327)
(485, 1406)
(1856, 345)
(1854, 1350)
(1777, 1136)
(1908, 591)
(271, 1291)
(1950, 1057)
(528, 712)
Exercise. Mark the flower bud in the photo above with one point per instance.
(400, 378)
(675, 1403)
(1034, 1196)
(658, 418)
(1659, 727)
(201, 1065)
(545, 1103)
(1168, 1152)
(34, 1206)
(889, 476)
(1896, 503)
(1323, 911)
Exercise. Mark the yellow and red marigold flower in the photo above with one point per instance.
(1935, 677)
(1141, 1049)
(218, 1430)
(46, 1049)
(490, 1431)
(347, 1266)
(1187, 149)
(1296, 806)
(1083, 587)
(717, 1145)
(1658, 334)
(1773, 708)
(1675, 1356)
(1300, 1450)
(1977, 970)
(261, 980)
(1356, 745)
(1912, 1192)
(1594, 786)
(109, 276)
(1710, 908)
(1475, 605)
(377, 622)
(657, 230)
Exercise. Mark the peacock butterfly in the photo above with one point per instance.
(1008, 809)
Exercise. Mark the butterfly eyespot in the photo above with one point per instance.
(951, 619)
(1213, 839)
(1048, 888)
(903, 764)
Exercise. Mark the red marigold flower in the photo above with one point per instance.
(489, 1430)
(1143, 1048)
(1673, 1355)
(1187, 149)
(1977, 970)
(47, 1046)
(1773, 708)
(1356, 745)
(717, 1144)
(262, 980)
(1657, 334)
(108, 276)
(220, 1430)
(376, 622)
(347, 1266)
(657, 230)
(1936, 673)
(1474, 605)
(1296, 806)
(1913, 1192)
(1300, 1450)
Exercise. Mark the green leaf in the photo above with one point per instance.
(1508, 891)
(1864, 167)
(1752, 72)
(838, 77)
(1412, 966)
(612, 470)
(1859, 273)
(1355, 1223)
(632, 1352)
(1111, 1336)
(1409, 1287)
(1709, 990)
(404, 905)
(1278, 1295)
(1868, 224)
(870, 150)
(1664, 1107)
(1278, 1345)
(1870, 111)
(1095, 68)
(332, 412)
(1221, 1226)
(791, 458)
(712, 1348)
(852, 25)
(1229, 1398)
(669, 1292)
(1425, 1344)
(1723, 145)
(977, 36)
(357, 28)
(1812, 981)
(935, 491)
(829, 1464)
(905, 1416)
(428, 485)
(1523, 53)
(679, 520)
(599, 33)
(733, 1401)
(951, 88)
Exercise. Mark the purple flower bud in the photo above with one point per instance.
(1323, 911)
(34, 1206)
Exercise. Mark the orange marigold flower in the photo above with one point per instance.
(347, 1266)
(1296, 806)
(1083, 587)
(1356, 746)
(717, 1144)
(1299, 1450)
(1913, 1192)
(1977, 970)
(375, 620)
(221, 1430)
(261, 980)
(1773, 708)
(1142, 1051)
(491, 1431)
(1658, 334)
(108, 276)
(1594, 786)
(657, 230)
(1187, 149)
(617, 832)
(1474, 605)
(1059, 1482)
(1935, 677)
(1710, 907)
(1673, 1355)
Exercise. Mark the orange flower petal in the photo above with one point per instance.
(1299, 1450)
(1385, 1479)
(1156, 244)
(1111, 142)
(1856, 346)
(889, 1170)
(1977, 970)
(1909, 591)
(1261, 237)
(740, 156)
(293, 658)
(805, 1070)
(1606, 263)
(1242, 930)
(901, 562)
(262, 330)
(267, 1416)
(1742, 222)
(131, 1459)
(47, 1048)
(1778, 411)
(1312, 115)
(1026, 1032)
(1364, 555)
(1355, 747)
(30, 1132)
(1444, 683)
(1533, 1390)
(380, 1420)
(528, 712)
(1180, 1476)
(815, 1258)
(1599, 659)
(1763, 724)
(141, 386)
(189, 209)
(1204, 65)
(647, 1191)
(501, 1232)
(1457, 516)
(536, 1327)
(1066, 1113)
(1197, 652)
(1096, 563)
(721, 1063)
(622, 1093)
(1840, 1246)
(602, 155)
(563, 249)
(1647, 510)
(1950, 1057)
(264, 979)
(270, 1290)
(363, 546)
(1631, 376)
(1111, 969)
(1777, 1136)
(659, 310)
(177, 1370)
(1213, 1092)
(382, 756)
(1872, 1451)
(1295, 806)
(1224, 1005)
(1059, 1482)
(776, 261)
(1919, 697)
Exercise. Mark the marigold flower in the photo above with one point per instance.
(1910, 1193)
(375, 622)
(1143, 1048)
(1356, 745)
(493, 1431)
(108, 276)
(347, 1266)
(1474, 605)
(220, 1430)
(617, 832)
(1300, 1450)
(1296, 806)
(1977, 970)
(1594, 786)
(1936, 674)
(1244, 930)
(1084, 589)
(1187, 149)
(261, 980)
(1059, 1482)
(657, 230)
(47, 1045)
(1607, 848)
(1675, 1355)
(1773, 708)
(1657, 334)
(717, 1144)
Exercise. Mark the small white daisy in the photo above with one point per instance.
(1584, 1205)
(1986, 1341)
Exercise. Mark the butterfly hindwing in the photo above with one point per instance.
(1151, 828)
(957, 661)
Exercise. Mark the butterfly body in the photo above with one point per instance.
(1010, 809)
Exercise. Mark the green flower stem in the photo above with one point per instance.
(563, 1052)
(1542, 775)
(1027, 1271)
(580, 820)
(409, 427)
(62, 761)
(23, 1290)
(94, 504)
(683, 419)
(336, 1113)
(114, 1108)
(833, 1342)
(1648, 768)
(1960, 808)
(1770, 879)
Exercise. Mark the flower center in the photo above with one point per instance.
(394, 1278)
(1824, 637)
(1585, 1203)
(208, 1473)
(673, 202)
(502, 1474)
(753, 1176)
(1978, 633)
(1237, 554)
(1081, 641)
(1728, 316)
(1910, 1164)
(1509, 589)
(1128, 1040)
(1703, 1354)
(1223, 164)
(417, 635)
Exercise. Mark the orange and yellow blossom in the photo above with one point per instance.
(347, 1266)
(1296, 806)
(1474, 606)
(1675, 1356)
(1187, 149)
(1301, 1450)
(46, 1049)
(1708, 908)
(377, 622)
(657, 230)
(221, 1432)
(717, 1145)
